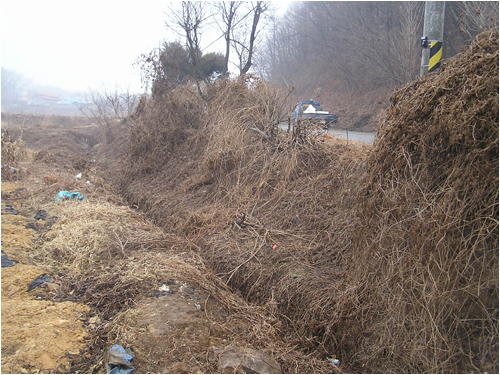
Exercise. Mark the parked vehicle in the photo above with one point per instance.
(311, 110)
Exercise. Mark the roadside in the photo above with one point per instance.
(358, 136)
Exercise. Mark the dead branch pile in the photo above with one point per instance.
(424, 280)
(158, 129)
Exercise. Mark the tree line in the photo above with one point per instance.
(362, 45)
(358, 45)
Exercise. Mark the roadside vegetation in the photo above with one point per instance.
(390, 261)
(351, 56)
(308, 248)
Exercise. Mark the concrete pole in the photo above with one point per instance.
(432, 40)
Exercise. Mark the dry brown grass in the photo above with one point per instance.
(239, 192)
(425, 274)
(12, 153)
(109, 257)
(386, 258)
(390, 263)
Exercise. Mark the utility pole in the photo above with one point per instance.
(432, 40)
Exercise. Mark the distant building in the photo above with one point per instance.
(73, 101)
(42, 98)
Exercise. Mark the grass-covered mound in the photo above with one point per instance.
(425, 261)
(386, 258)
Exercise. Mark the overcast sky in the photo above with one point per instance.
(81, 44)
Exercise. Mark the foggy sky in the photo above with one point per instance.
(79, 44)
(83, 44)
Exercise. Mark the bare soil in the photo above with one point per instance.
(37, 335)
(169, 332)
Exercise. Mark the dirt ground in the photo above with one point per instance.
(172, 329)
(37, 335)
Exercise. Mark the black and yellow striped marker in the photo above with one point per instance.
(435, 55)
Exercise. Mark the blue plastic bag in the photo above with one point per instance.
(66, 195)
(119, 361)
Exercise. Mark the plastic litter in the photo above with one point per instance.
(164, 288)
(8, 208)
(118, 361)
(32, 226)
(6, 262)
(43, 278)
(334, 361)
(79, 176)
(42, 214)
(66, 195)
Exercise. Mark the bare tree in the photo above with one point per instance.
(259, 8)
(227, 11)
(405, 44)
(362, 44)
(187, 22)
(476, 16)
(108, 108)
(12, 85)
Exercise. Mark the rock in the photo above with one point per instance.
(246, 361)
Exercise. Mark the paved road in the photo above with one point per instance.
(342, 133)
(353, 135)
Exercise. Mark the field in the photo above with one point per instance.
(205, 227)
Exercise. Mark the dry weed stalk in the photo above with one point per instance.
(12, 153)
(282, 185)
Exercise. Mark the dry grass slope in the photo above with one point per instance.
(389, 262)
(425, 263)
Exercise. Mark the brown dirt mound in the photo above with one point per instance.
(425, 260)
(37, 335)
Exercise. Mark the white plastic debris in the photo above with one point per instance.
(163, 288)
(183, 288)
(79, 176)
(334, 361)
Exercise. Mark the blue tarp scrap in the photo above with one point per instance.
(118, 361)
(66, 195)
